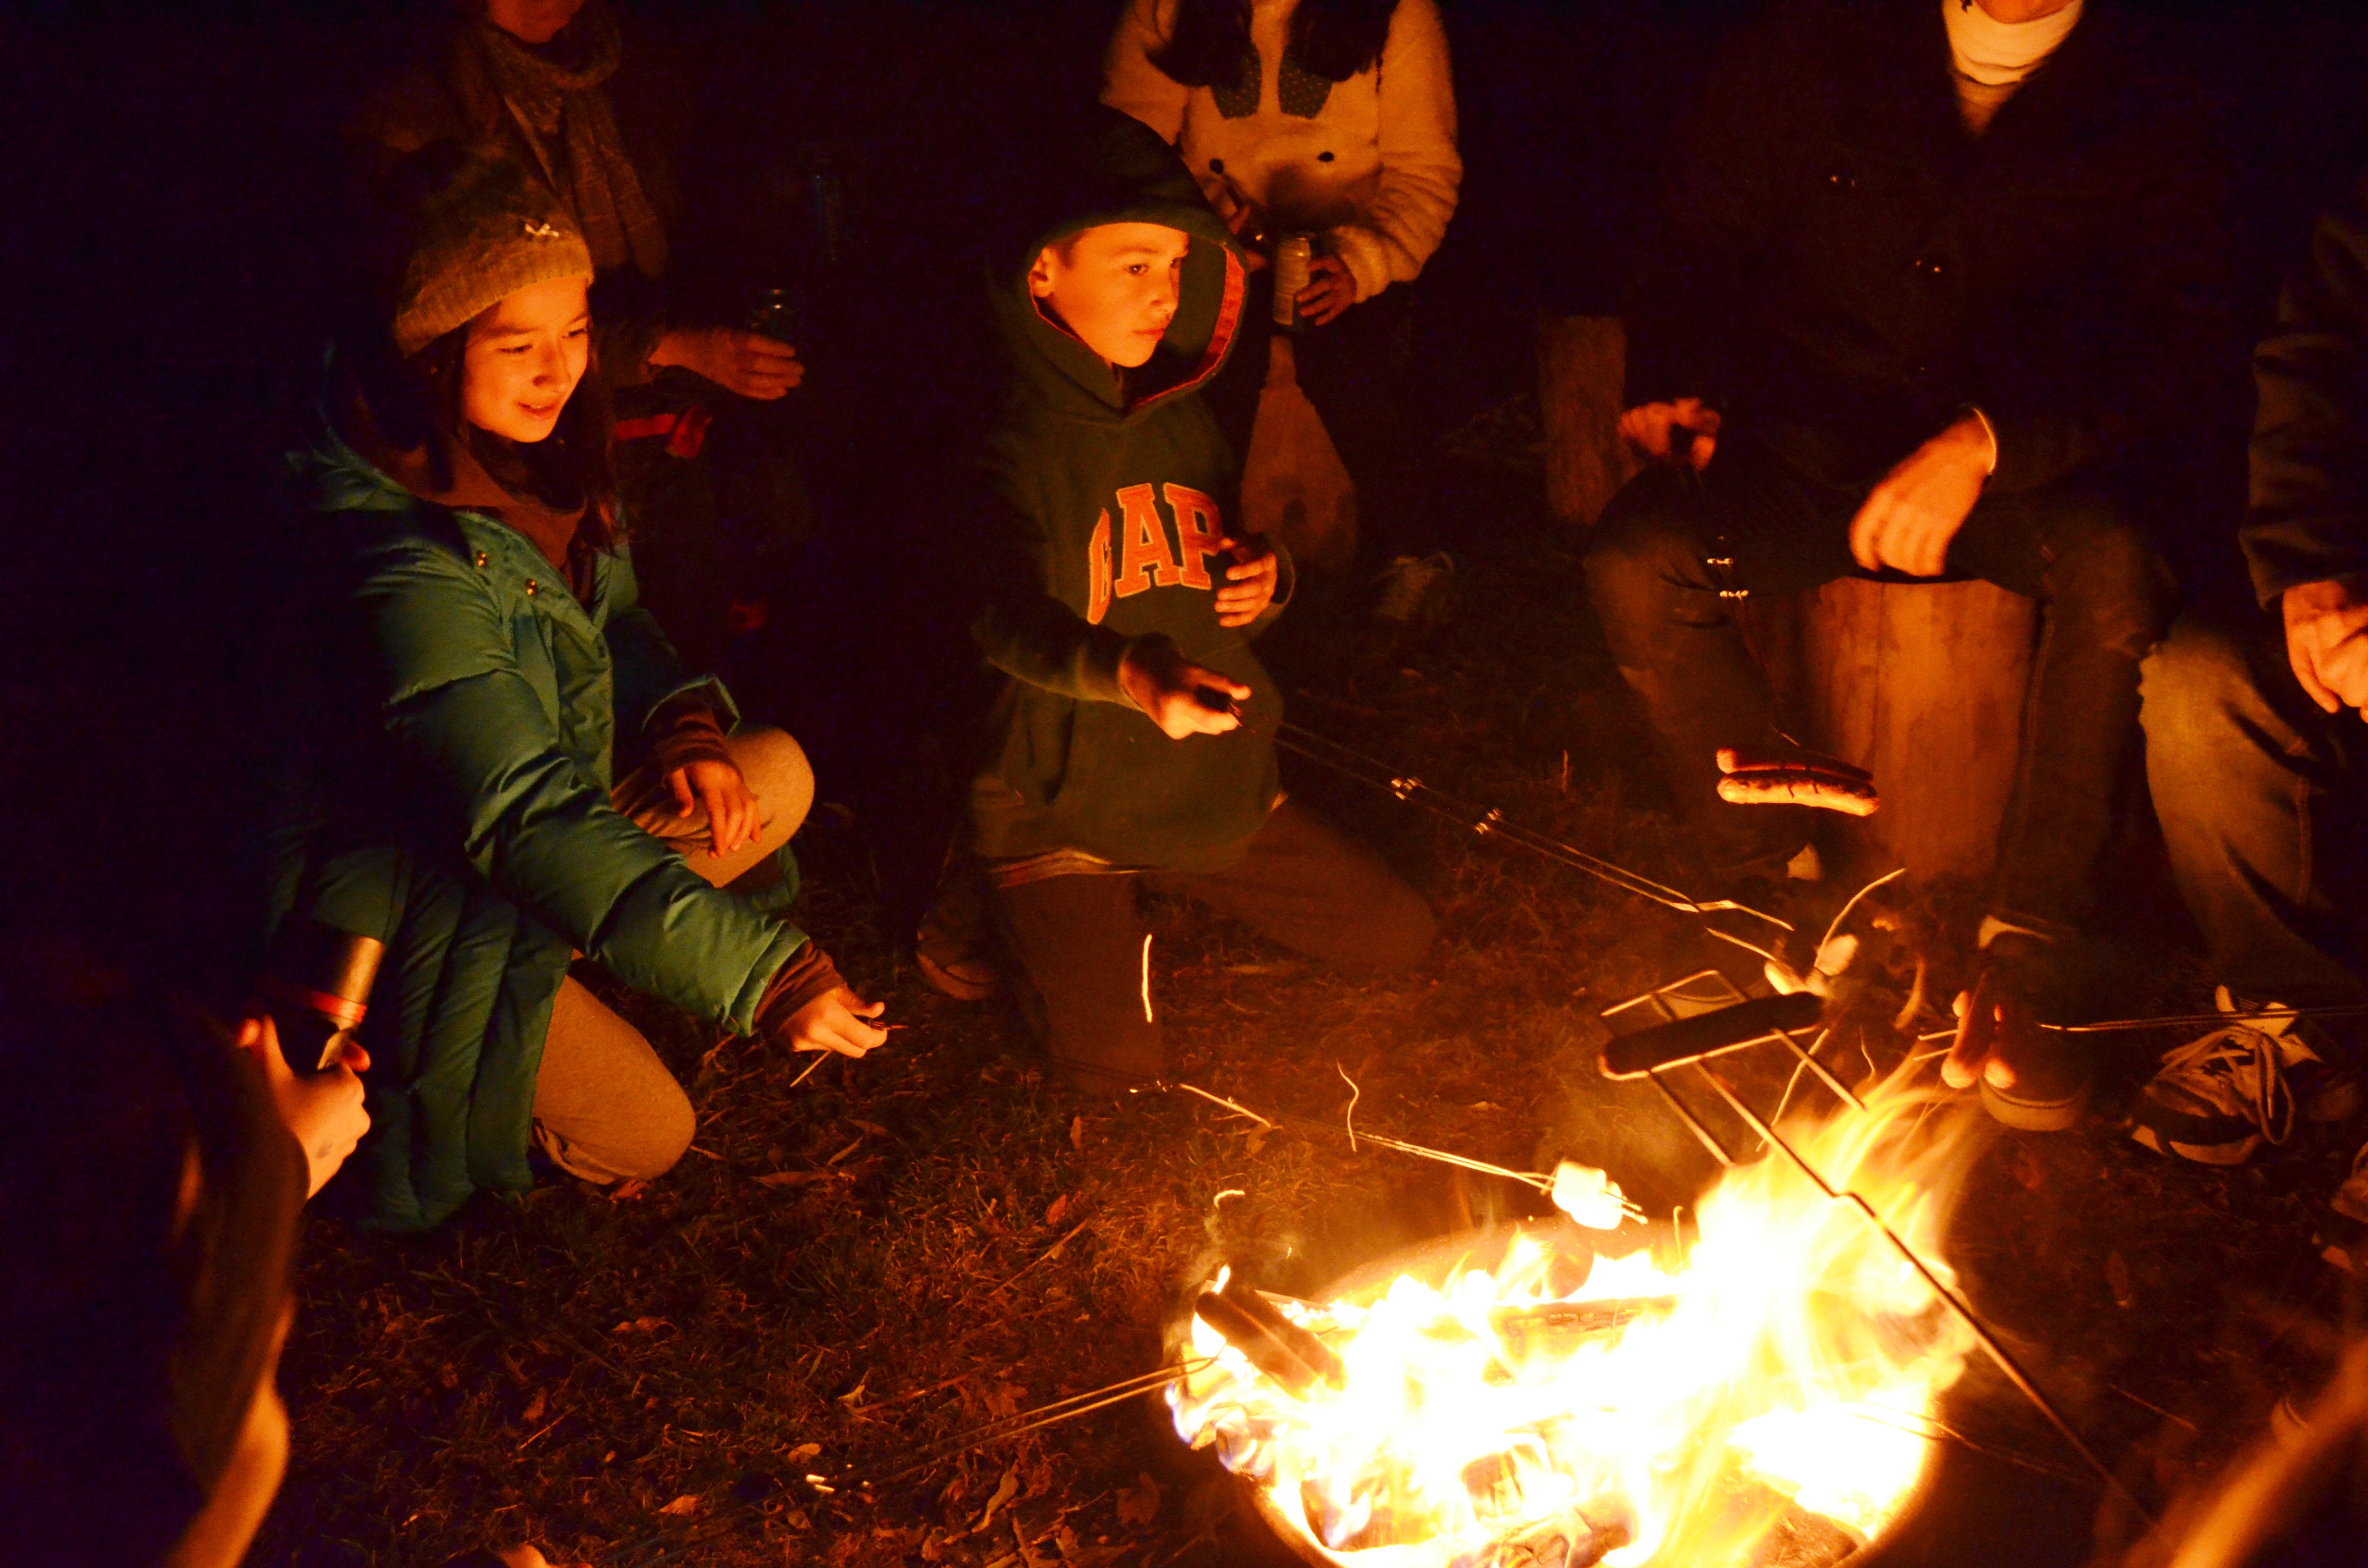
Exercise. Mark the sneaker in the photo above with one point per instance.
(2216, 1100)
(1415, 589)
(2343, 1230)
(2053, 1078)
(954, 947)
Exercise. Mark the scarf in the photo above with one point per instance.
(1992, 59)
(560, 108)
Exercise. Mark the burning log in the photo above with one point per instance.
(1275, 1345)
(1552, 1330)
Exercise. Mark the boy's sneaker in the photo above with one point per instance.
(2216, 1100)
(1415, 590)
(2343, 1229)
(954, 947)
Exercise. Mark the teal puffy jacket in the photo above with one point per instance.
(449, 794)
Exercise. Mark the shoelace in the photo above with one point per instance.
(1407, 582)
(2252, 1067)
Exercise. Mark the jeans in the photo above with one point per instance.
(2264, 803)
(606, 1109)
(1674, 635)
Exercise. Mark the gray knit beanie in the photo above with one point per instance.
(471, 227)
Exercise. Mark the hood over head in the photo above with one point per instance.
(1111, 168)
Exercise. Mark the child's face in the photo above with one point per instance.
(536, 21)
(523, 360)
(1116, 289)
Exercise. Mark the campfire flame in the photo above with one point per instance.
(1666, 1411)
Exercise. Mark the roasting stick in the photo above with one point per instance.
(1487, 821)
(1956, 1304)
(632, 1553)
(1544, 1184)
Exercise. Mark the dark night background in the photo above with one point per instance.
(169, 180)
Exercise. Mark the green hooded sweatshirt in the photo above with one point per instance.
(1108, 504)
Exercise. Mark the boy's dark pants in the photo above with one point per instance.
(1673, 634)
(1079, 939)
(2263, 799)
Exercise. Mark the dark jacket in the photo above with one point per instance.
(453, 801)
(1103, 510)
(2308, 520)
(1845, 266)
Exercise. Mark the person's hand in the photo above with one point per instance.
(520, 1556)
(837, 1020)
(733, 815)
(1648, 426)
(1909, 518)
(1997, 1037)
(530, 1556)
(1251, 583)
(733, 358)
(1157, 679)
(2325, 642)
(323, 1109)
(1331, 289)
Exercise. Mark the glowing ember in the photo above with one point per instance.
(1645, 1416)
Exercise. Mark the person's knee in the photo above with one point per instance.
(2194, 689)
(1395, 929)
(657, 1139)
(1645, 547)
(1407, 931)
(778, 774)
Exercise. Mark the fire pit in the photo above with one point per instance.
(1551, 1396)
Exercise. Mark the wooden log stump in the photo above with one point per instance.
(1582, 375)
(1925, 686)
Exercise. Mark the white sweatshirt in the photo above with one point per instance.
(1374, 168)
(1993, 58)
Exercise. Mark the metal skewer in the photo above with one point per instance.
(1957, 1306)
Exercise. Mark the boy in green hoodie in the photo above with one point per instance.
(1133, 742)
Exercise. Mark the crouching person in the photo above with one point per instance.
(481, 668)
(2258, 760)
(1133, 742)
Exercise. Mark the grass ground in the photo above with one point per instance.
(848, 1273)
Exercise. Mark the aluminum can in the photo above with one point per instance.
(1293, 256)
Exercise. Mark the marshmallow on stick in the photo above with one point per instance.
(1589, 1195)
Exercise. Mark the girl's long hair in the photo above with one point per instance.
(1333, 39)
(412, 400)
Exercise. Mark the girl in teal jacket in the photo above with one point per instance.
(480, 667)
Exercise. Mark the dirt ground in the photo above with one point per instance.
(846, 1276)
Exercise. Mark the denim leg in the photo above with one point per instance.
(2106, 599)
(2260, 795)
(1677, 646)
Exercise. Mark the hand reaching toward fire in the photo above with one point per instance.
(837, 1020)
(1175, 694)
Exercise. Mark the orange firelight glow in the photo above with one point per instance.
(1790, 1358)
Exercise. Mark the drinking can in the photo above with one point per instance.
(1294, 256)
